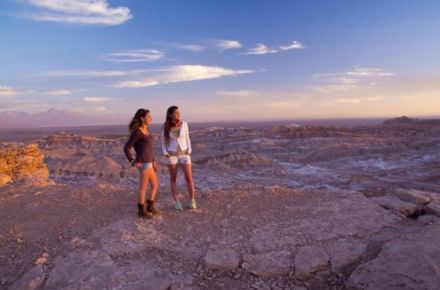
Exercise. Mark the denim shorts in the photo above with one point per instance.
(146, 165)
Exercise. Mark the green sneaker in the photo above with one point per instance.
(178, 205)
(192, 204)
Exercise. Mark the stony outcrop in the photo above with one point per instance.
(223, 259)
(345, 214)
(411, 261)
(20, 163)
(434, 208)
(345, 252)
(414, 196)
(5, 178)
(310, 260)
(96, 270)
(65, 140)
(32, 280)
(240, 159)
(395, 204)
(104, 167)
(269, 264)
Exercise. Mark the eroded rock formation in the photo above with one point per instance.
(20, 163)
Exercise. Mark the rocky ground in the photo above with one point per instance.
(281, 207)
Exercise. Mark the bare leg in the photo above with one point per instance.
(187, 170)
(173, 180)
(154, 183)
(143, 183)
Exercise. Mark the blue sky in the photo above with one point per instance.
(221, 60)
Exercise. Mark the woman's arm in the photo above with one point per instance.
(130, 143)
(164, 146)
(188, 140)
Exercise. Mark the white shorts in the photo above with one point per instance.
(179, 159)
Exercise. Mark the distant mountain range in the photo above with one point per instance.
(404, 120)
(55, 118)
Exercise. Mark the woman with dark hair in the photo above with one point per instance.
(142, 141)
(176, 146)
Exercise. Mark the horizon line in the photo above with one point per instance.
(423, 117)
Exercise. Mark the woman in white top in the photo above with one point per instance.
(176, 146)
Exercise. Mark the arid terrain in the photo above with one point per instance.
(279, 207)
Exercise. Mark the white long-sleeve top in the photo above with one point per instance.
(183, 140)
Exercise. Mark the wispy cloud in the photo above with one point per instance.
(96, 111)
(369, 72)
(101, 110)
(333, 88)
(181, 73)
(7, 91)
(294, 45)
(239, 93)
(96, 99)
(228, 44)
(136, 84)
(354, 100)
(346, 80)
(85, 73)
(58, 92)
(185, 46)
(283, 105)
(355, 79)
(261, 49)
(87, 12)
(141, 55)
(346, 101)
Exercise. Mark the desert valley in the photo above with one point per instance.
(281, 206)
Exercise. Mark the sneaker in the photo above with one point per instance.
(192, 204)
(178, 205)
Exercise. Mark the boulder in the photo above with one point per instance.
(427, 219)
(413, 196)
(309, 260)
(395, 204)
(433, 208)
(270, 264)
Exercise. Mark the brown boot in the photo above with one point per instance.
(151, 209)
(142, 211)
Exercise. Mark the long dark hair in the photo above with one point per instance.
(136, 121)
(169, 121)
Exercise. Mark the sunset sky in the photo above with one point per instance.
(225, 59)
